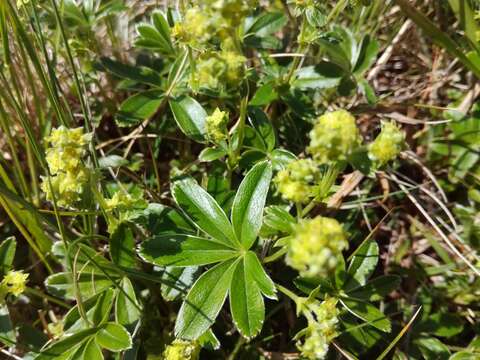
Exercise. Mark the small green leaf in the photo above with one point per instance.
(101, 311)
(113, 337)
(368, 313)
(89, 283)
(184, 250)
(7, 333)
(176, 281)
(153, 39)
(377, 288)
(247, 210)
(204, 211)
(246, 302)
(362, 265)
(432, 348)
(263, 127)
(122, 245)
(264, 95)
(277, 218)
(127, 307)
(267, 23)
(211, 154)
(255, 271)
(139, 107)
(7, 253)
(90, 351)
(136, 73)
(64, 348)
(190, 117)
(204, 301)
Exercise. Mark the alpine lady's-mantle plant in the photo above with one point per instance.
(210, 190)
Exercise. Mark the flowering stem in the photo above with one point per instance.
(289, 293)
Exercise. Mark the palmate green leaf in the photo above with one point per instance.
(127, 307)
(151, 38)
(113, 337)
(368, 313)
(184, 250)
(139, 107)
(190, 117)
(64, 348)
(247, 210)
(204, 301)
(257, 273)
(246, 302)
(204, 211)
(362, 265)
(97, 309)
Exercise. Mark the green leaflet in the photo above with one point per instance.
(204, 301)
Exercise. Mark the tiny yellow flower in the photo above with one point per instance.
(194, 29)
(14, 281)
(334, 137)
(321, 330)
(298, 180)
(64, 158)
(217, 126)
(388, 143)
(182, 350)
(217, 70)
(316, 245)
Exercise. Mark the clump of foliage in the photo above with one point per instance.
(222, 179)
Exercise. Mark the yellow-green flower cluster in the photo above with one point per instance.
(388, 143)
(194, 29)
(14, 283)
(334, 137)
(216, 70)
(297, 181)
(321, 330)
(182, 350)
(123, 201)
(216, 125)
(68, 173)
(316, 245)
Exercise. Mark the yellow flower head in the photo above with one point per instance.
(15, 281)
(217, 126)
(297, 181)
(388, 143)
(64, 159)
(215, 70)
(182, 350)
(321, 330)
(194, 29)
(334, 137)
(316, 245)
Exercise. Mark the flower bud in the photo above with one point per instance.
(388, 143)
